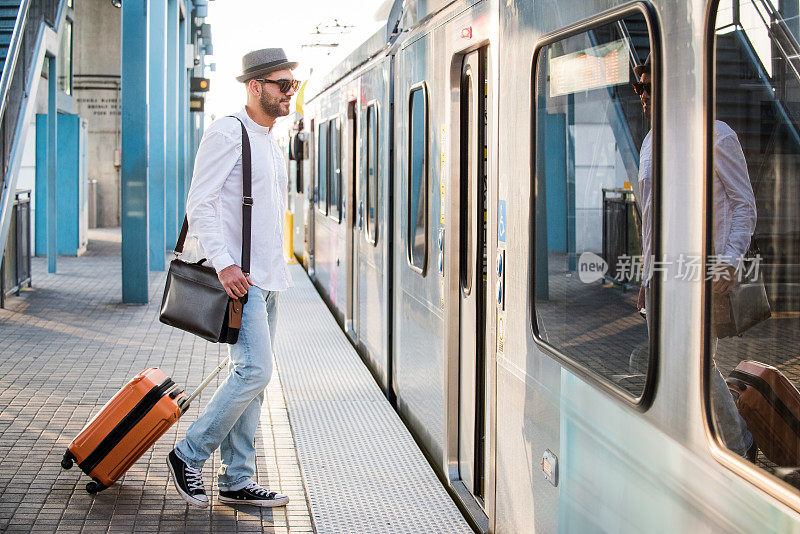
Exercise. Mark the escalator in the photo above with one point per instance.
(9, 12)
(24, 27)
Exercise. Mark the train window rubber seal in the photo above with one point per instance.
(335, 121)
(748, 472)
(644, 401)
(422, 270)
(322, 207)
(373, 107)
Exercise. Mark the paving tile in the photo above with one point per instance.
(66, 346)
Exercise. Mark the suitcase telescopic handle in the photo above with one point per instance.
(184, 405)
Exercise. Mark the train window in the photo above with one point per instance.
(372, 173)
(469, 143)
(593, 164)
(322, 168)
(752, 268)
(335, 171)
(418, 178)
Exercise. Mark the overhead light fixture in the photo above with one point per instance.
(116, 3)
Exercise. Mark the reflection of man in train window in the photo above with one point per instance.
(734, 223)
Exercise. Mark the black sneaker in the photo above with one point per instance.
(752, 453)
(254, 495)
(188, 481)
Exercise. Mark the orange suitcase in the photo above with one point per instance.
(128, 425)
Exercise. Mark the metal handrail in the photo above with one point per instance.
(775, 16)
(771, 21)
(13, 53)
(626, 36)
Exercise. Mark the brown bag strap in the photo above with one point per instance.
(247, 198)
(182, 235)
(247, 204)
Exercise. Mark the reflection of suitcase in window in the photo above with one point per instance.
(770, 405)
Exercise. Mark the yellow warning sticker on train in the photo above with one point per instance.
(501, 332)
(442, 179)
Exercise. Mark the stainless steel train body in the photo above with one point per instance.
(438, 286)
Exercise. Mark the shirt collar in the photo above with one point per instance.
(250, 123)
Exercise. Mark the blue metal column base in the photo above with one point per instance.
(52, 149)
(134, 153)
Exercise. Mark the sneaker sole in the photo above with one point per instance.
(263, 503)
(191, 501)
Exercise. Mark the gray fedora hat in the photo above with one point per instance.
(262, 62)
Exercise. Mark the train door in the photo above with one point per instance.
(297, 190)
(351, 223)
(472, 256)
(311, 199)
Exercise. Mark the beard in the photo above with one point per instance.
(272, 106)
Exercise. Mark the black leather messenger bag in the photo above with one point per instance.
(194, 299)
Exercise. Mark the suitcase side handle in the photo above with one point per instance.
(184, 404)
(769, 395)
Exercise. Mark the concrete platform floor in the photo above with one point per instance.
(66, 346)
(328, 437)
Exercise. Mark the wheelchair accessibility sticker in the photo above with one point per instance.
(502, 222)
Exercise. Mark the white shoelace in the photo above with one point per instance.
(258, 490)
(194, 478)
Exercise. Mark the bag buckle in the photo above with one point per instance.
(247, 201)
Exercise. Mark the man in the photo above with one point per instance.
(214, 209)
(734, 224)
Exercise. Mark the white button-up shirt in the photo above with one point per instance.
(214, 205)
(734, 202)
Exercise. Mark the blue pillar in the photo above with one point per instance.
(157, 127)
(555, 176)
(134, 152)
(183, 109)
(572, 255)
(544, 245)
(171, 214)
(52, 149)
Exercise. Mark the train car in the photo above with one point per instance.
(299, 172)
(553, 229)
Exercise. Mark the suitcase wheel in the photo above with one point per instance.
(67, 460)
(94, 487)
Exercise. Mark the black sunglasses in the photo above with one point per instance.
(283, 84)
(640, 87)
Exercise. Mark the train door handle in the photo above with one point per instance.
(360, 214)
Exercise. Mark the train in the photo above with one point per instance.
(475, 192)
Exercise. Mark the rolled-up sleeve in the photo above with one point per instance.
(216, 157)
(731, 167)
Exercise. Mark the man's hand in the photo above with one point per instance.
(234, 281)
(725, 274)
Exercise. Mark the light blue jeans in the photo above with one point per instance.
(729, 423)
(231, 418)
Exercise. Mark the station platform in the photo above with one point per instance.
(328, 438)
